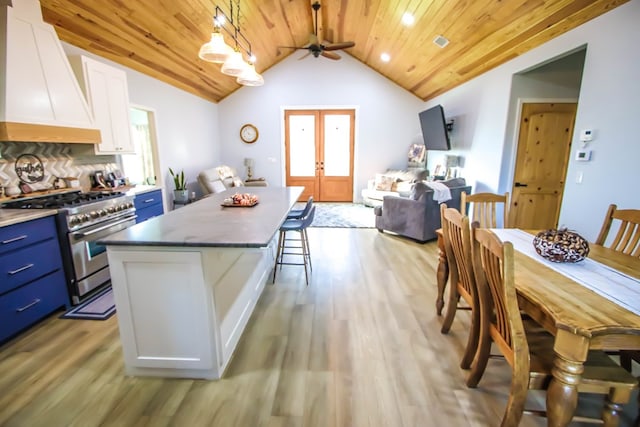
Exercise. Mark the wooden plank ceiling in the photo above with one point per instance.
(161, 38)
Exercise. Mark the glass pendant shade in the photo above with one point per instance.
(234, 65)
(250, 77)
(215, 50)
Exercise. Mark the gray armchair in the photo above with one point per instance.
(417, 216)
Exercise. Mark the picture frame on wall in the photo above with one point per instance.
(417, 156)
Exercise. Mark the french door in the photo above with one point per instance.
(319, 153)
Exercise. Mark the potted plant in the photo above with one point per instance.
(180, 194)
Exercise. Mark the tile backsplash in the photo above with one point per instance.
(59, 160)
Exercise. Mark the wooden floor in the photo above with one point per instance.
(360, 346)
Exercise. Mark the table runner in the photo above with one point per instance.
(607, 282)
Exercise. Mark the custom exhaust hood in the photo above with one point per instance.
(40, 98)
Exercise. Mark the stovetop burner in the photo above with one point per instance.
(62, 200)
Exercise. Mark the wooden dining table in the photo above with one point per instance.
(579, 318)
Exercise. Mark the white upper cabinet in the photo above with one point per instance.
(40, 99)
(108, 96)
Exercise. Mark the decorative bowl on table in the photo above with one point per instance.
(245, 200)
(561, 245)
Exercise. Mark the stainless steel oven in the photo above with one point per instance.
(89, 259)
(82, 219)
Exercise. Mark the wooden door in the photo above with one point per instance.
(319, 146)
(544, 144)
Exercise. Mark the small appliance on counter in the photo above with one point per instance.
(113, 179)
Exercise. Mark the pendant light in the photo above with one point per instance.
(234, 65)
(218, 51)
(215, 50)
(250, 77)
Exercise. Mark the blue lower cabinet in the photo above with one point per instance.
(29, 263)
(148, 205)
(26, 305)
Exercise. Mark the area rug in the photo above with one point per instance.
(341, 215)
(98, 307)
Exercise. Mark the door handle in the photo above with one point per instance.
(518, 184)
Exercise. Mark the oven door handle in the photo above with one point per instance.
(104, 227)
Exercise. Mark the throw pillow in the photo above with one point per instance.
(217, 186)
(384, 182)
(237, 182)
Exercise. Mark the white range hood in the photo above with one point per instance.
(40, 99)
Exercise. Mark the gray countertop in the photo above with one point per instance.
(16, 216)
(141, 189)
(206, 223)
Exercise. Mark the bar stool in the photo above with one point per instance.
(301, 213)
(299, 225)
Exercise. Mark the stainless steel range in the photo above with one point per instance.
(83, 219)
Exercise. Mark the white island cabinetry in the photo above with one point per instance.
(185, 283)
(105, 88)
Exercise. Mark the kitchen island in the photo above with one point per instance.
(186, 283)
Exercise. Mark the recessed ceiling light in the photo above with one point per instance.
(441, 41)
(408, 19)
(385, 57)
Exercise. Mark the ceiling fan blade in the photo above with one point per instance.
(338, 46)
(304, 56)
(330, 55)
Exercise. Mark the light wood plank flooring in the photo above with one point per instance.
(360, 346)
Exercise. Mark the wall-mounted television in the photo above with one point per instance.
(434, 129)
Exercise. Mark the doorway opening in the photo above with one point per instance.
(142, 167)
(319, 151)
(541, 123)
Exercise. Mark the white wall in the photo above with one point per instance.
(187, 125)
(608, 103)
(386, 115)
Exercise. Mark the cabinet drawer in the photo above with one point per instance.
(27, 233)
(148, 199)
(27, 264)
(148, 213)
(28, 304)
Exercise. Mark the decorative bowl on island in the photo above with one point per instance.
(241, 200)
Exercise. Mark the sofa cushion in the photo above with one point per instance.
(384, 182)
(403, 188)
(226, 172)
(409, 175)
(455, 182)
(216, 186)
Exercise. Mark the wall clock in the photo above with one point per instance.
(249, 133)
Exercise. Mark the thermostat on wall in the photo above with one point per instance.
(583, 155)
(586, 135)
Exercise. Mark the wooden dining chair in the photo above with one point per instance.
(627, 238)
(526, 346)
(627, 241)
(485, 208)
(457, 243)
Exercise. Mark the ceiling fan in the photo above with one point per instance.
(316, 48)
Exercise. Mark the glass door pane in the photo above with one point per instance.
(302, 150)
(337, 138)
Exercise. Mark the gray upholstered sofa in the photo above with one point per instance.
(392, 183)
(417, 216)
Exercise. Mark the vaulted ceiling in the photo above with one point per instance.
(161, 38)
